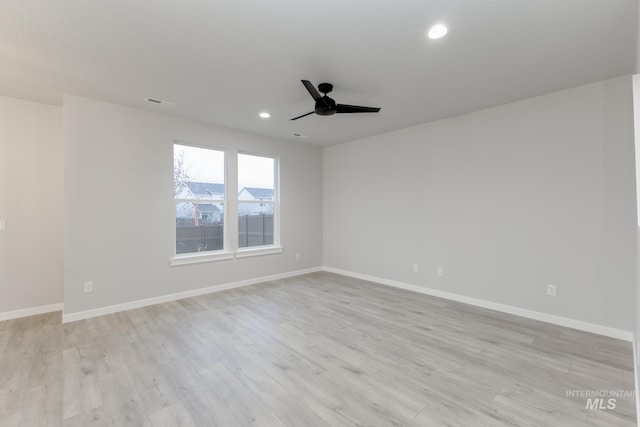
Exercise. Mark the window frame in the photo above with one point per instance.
(230, 248)
(276, 247)
(216, 255)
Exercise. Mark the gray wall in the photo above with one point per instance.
(31, 201)
(636, 121)
(636, 68)
(506, 200)
(118, 160)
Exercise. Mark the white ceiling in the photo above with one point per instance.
(224, 61)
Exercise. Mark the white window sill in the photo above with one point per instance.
(222, 256)
(199, 257)
(259, 250)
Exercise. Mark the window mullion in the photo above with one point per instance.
(276, 203)
(231, 207)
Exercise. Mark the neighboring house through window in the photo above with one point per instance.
(256, 200)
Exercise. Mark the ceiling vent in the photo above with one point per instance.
(161, 102)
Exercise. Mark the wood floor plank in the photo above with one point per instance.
(172, 416)
(239, 400)
(81, 391)
(14, 378)
(268, 390)
(10, 419)
(42, 406)
(122, 402)
(154, 389)
(93, 418)
(204, 406)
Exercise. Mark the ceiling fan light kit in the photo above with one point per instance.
(326, 106)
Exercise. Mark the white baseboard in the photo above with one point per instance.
(72, 317)
(25, 312)
(522, 312)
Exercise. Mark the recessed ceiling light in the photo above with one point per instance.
(265, 115)
(437, 31)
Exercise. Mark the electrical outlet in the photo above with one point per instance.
(440, 271)
(3, 224)
(551, 290)
(297, 256)
(415, 268)
(88, 286)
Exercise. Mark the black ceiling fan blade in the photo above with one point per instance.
(312, 89)
(343, 108)
(314, 93)
(304, 115)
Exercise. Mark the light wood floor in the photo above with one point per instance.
(316, 350)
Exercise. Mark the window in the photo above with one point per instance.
(199, 193)
(204, 194)
(256, 200)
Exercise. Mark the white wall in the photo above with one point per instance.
(31, 201)
(507, 200)
(119, 159)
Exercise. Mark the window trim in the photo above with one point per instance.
(198, 257)
(187, 258)
(230, 250)
(275, 202)
(259, 250)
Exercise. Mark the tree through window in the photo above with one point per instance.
(199, 193)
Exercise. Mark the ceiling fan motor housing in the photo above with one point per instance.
(325, 106)
(325, 88)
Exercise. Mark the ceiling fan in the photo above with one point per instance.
(326, 106)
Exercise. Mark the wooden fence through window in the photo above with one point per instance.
(253, 230)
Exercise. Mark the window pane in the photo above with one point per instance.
(198, 172)
(199, 227)
(255, 177)
(255, 230)
(199, 191)
(256, 195)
